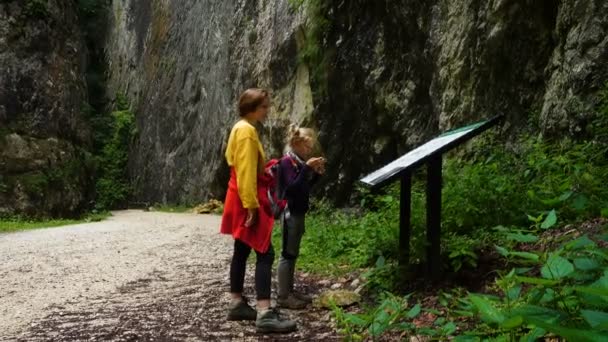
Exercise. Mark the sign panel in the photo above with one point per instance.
(419, 154)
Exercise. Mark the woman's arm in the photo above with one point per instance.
(246, 168)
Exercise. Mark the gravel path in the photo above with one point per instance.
(136, 276)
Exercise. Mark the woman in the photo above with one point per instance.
(244, 218)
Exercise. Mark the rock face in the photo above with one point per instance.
(44, 171)
(400, 71)
(183, 64)
(397, 72)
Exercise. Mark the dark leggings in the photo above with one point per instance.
(263, 270)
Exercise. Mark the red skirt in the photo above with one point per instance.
(233, 220)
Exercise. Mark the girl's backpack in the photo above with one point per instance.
(276, 190)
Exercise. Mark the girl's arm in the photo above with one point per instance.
(294, 183)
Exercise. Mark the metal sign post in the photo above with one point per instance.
(431, 154)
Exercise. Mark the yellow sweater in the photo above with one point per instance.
(246, 154)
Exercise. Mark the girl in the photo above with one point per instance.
(243, 219)
(299, 172)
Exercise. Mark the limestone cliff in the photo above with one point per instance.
(395, 72)
(183, 65)
(44, 170)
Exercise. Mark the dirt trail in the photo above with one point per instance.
(136, 276)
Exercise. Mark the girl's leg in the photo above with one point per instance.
(237, 269)
(263, 278)
(293, 230)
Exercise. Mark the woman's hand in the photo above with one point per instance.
(252, 218)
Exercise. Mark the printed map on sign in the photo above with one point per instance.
(416, 155)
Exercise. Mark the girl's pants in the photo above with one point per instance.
(293, 230)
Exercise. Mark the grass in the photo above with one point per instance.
(18, 224)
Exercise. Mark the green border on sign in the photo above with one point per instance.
(461, 129)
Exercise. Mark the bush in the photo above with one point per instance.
(37, 8)
(113, 186)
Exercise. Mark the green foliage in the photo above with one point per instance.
(394, 314)
(19, 223)
(564, 301)
(34, 183)
(312, 51)
(569, 299)
(37, 8)
(91, 8)
(528, 187)
(113, 186)
(383, 276)
(505, 197)
(462, 251)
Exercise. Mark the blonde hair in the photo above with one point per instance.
(297, 135)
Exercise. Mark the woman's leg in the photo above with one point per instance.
(239, 309)
(263, 277)
(237, 269)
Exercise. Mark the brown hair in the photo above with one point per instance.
(251, 99)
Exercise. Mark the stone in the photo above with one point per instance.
(360, 289)
(212, 207)
(355, 283)
(464, 61)
(337, 286)
(341, 298)
(324, 282)
(42, 127)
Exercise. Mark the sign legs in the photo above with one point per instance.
(433, 216)
(405, 213)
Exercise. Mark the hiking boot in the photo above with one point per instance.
(302, 296)
(272, 322)
(291, 302)
(242, 312)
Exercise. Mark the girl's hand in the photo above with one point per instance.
(314, 162)
(321, 167)
(252, 218)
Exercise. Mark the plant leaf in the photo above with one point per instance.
(513, 322)
(414, 312)
(526, 255)
(536, 281)
(550, 220)
(502, 251)
(533, 335)
(595, 318)
(380, 261)
(524, 238)
(570, 334)
(449, 328)
(556, 267)
(355, 320)
(586, 264)
(514, 292)
(580, 202)
(528, 311)
(487, 311)
(580, 243)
